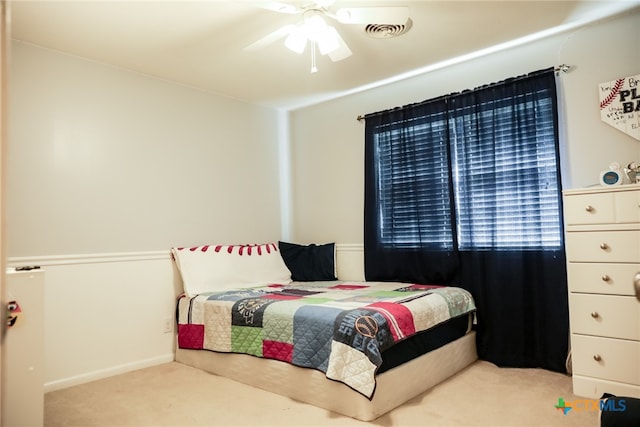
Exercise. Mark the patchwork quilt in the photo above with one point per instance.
(338, 328)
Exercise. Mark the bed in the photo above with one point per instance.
(356, 348)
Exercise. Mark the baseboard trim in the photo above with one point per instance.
(106, 373)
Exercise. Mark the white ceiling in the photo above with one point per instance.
(201, 43)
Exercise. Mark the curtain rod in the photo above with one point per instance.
(562, 68)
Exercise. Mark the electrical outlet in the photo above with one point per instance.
(168, 325)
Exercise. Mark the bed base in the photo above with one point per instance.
(394, 387)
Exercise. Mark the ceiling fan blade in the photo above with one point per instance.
(396, 15)
(326, 4)
(271, 38)
(341, 52)
(275, 6)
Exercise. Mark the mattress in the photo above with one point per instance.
(426, 341)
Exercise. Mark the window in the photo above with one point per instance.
(475, 170)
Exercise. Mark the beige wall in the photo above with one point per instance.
(328, 142)
(105, 160)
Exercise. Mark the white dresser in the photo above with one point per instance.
(603, 261)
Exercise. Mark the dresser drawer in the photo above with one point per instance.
(602, 278)
(606, 358)
(589, 209)
(603, 246)
(605, 315)
(596, 387)
(627, 206)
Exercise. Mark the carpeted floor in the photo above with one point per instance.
(177, 395)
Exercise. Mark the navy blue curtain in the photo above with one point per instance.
(465, 190)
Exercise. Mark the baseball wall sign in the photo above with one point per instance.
(620, 104)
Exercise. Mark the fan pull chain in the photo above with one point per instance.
(314, 69)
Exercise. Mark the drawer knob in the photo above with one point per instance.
(589, 208)
(604, 246)
(597, 357)
(605, 278)
(594, 314)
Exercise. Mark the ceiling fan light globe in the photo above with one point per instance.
(296, 41)
(328, 42)
(315, 27)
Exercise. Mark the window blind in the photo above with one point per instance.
(494, 157)
(505, 174)
(411, 158)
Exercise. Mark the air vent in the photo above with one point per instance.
(386, 31)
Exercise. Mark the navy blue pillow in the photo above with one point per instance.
(309, 263)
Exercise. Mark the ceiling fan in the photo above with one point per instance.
(313, 29)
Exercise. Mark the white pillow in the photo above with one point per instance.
(215, 268)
